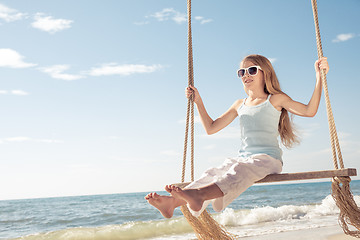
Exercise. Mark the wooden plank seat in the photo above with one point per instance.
(345, 172)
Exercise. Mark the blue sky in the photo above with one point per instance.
(92, 92)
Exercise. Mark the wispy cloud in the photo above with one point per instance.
(348, 143)
(50, 24)
(28, 139)
(170, 14)
(125, 69)
(57, 72)
(9, 15)
(14, 92)
(203, 20)
(12, 59)
(307, 131)
(19, 92)
(40, 20)
(272, 60)
(344, 37)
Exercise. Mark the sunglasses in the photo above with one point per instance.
(252, 71)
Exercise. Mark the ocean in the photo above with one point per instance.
(261, 210)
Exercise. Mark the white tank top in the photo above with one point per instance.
(259, 129)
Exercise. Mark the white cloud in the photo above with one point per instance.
(14, 92)
(19, 92)
(125, 70)
(9, 15)
(56, 71)
(179, 18)
(49, 24)
(343, 37)
(203, 20)
(169, 14)
(28, 139)
(272, 60)
(11, 58)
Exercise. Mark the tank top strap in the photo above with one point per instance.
(243, 103)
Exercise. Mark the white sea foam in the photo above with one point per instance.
(265, 214)
(251, 222)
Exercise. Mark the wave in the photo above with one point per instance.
(232, 217)
(244, 218)
(127, 231)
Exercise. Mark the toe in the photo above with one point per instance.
(167, 188)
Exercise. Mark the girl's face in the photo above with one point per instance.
(252, 82)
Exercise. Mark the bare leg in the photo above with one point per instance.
(195, 197)
(165, 204)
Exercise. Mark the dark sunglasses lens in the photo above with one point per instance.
(252, 70)
(241, 72)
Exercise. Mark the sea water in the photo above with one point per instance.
(261, 210)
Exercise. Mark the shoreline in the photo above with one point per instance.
(321, 233)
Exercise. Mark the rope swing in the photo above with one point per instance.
(344, 199)
(206, 228)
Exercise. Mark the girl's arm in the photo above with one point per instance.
(309, 110)
(208, 123)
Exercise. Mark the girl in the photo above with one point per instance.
(263, 117)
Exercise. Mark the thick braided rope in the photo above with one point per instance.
(205, 227)
(335, 146)
(191, 83)
(341, 193)
(190, 106)
(185, 142)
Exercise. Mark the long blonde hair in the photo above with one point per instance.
(272, 86)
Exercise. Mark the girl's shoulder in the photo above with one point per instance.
(237, 104)
(277, 100)
(279, 97)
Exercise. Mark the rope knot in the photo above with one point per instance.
(341, 180)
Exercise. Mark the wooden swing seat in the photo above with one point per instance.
(345, 172)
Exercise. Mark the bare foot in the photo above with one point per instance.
(165, 204)
(191, 196)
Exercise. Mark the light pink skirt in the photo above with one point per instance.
(234, 176)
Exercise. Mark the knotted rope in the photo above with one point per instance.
(349, 211)
(205, 227)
